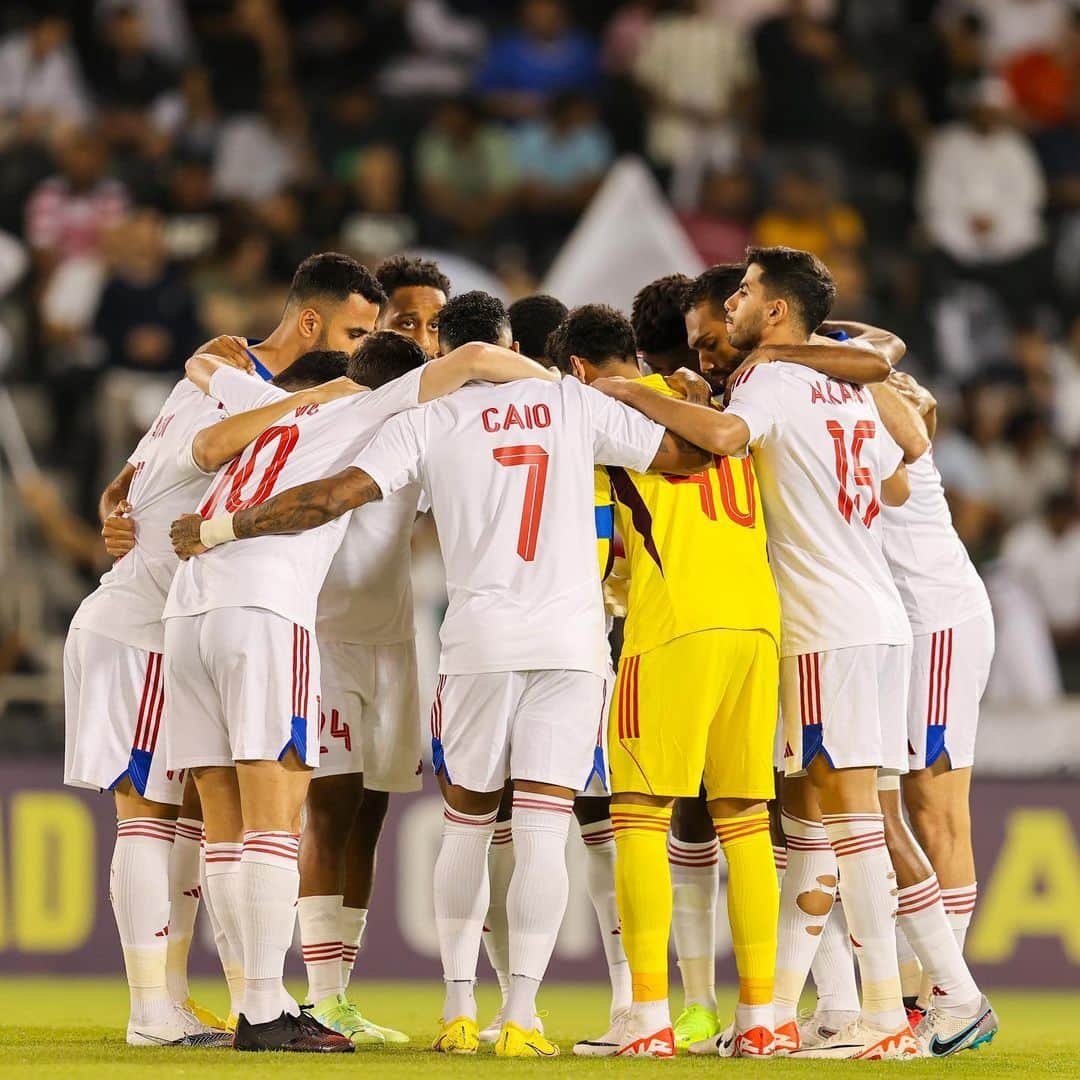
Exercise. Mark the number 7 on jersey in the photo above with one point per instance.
(536, 459)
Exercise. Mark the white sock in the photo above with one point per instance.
(834, 966)
(959, 906)
(536, 900)
(779, 857)
(599, 840)
(353, 924)
(461, 901)
(320, 934)
(695, 886)
(649, 1017)
(811, 875)
(921, 916)
(868, 886)
(185, 890)
(139, 890)
(911, 972)
(500, 860)
(270, 884)
(224, 900)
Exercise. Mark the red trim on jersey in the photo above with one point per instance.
(635, 717)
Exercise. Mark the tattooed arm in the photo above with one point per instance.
(297, 509)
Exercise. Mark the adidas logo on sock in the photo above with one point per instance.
(163, 932)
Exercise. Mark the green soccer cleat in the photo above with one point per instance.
(695, 1024)
(341, 1015)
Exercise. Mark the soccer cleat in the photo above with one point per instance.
(180, 1028)
(914, 1015)
(788, 1038)
(206, 1016)
(300, 1034)
(230, 1024)
(458, 1036)
(696, 1023)
(862, 1042)
(756, 1042)
(516, 1042)
(341, 1015)
(490, 1034)
(606, 1044)
(815, 1028)
(940, 1035)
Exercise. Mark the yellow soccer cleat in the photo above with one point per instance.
(207, 1016)
(230, 1024)
(458, 1036)
(516, 1042)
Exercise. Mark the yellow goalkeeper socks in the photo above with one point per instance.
(643, 892)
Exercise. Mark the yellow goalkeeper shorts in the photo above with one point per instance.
(700, 708)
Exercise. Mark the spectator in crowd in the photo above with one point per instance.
(1025, 466)
(165, 23)
(804, 213)
(1044, 552)
(234, 291)
(354, 120)
(543, 56)
(981, 198)
(188, 116)
(41, 87)
(376, 223)
(696, 71)
(467, 175)
(720, 226)
(1044, 80)
(561, 161)
(192, 212)
(1018, 26)
(260, 154)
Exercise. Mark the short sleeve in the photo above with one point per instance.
(389, 400)
(753, 400)
(394, 458)
(185, 454)
(241, 393)
(621, 435)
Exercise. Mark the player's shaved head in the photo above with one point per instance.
(332, 276)
(383, 357)
(311, 369)
(532, 319)
(474, 316)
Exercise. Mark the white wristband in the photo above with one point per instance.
(217, 530)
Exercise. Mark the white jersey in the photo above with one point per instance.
(508, 471)
(367, 597)
(937, 580)
(280, 573)
(127, 605)
(821, 452)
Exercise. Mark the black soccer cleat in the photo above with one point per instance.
(300, 1034)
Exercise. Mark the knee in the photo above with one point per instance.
(938, 828)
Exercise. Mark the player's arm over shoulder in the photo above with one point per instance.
(895, 489)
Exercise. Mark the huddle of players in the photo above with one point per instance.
(522, 691)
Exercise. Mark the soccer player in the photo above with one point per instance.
(253, 736)
(659, 326)
(114, 696)
(532, 318)
(370, 730)
(416, 291)
(524, 650)
(825, 464)
(669, 734)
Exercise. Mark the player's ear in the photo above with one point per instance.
(309, 322)
(578, 368)
(778, 309)
(515, 346)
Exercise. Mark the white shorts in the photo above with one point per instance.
(598, 786)
(370, 719)
(243, 685)
(848, 704)
(114, 697)
(521, 725)
(949, 670)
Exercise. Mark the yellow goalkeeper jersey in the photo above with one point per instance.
(696, 550)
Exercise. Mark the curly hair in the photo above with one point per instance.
(657, 314)
(472, 316)
(409, 271)
(596, 333)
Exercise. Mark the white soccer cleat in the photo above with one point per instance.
(755, 1042)
(863, 1042)
(815, 1028)
(627, 1039)
(180, 1028)
(605, 1045)
(940, 1035)
(490, 1034)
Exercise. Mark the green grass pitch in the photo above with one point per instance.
(73, 1028)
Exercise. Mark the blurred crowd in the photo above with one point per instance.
(165, 165)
